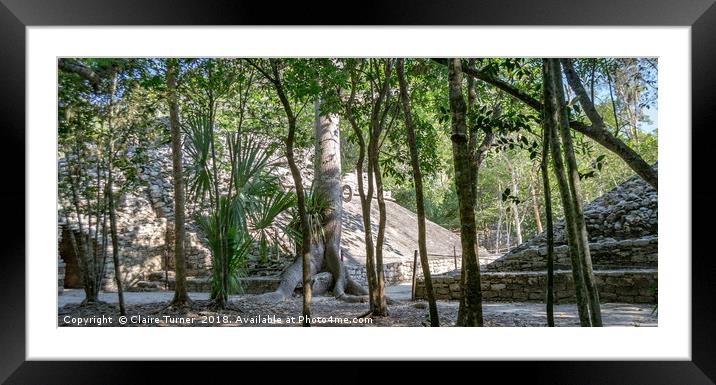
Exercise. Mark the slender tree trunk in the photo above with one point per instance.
(553, 115)
(499, 220)
(591, 78)
(508, 232)
(112, 209)
(535, 205)
(98, 213)
(513, 204)
(419, 199)
(365, 201)
(380, 238)
(180, 293)
(379, 111)
(617, 127)
(300, 195)
(576, 196)
(463, 185)
(105, 243)
(477, 156)
(377, 122)
(549, 221)
(90, 286)
(219, 295)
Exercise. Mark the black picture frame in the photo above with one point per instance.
(15, 15)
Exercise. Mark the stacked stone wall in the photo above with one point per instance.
(628, 286)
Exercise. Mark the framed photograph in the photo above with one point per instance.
(191, 170)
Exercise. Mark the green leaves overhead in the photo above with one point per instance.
(229, 103)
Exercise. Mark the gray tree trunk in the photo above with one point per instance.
(553, 115)
(379, 110)
(549, 221)
(535, 205)
(112, 209)
(576, 196)
(365, 199)
(419, 199)
(180, 293)
(472, 312)
(513, 204)
(327, 181)
(305, 249)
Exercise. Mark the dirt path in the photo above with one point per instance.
(246, 310)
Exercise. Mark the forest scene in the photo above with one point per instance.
(418, 192)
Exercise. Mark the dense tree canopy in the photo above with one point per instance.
(233, 122)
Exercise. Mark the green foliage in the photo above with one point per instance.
(229, 105)
(316, 209)
(228, 244)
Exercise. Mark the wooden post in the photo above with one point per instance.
(454, 255)
(415, 268)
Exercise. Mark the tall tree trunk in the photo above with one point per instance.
(499, 219)
(382, 308)
(379, 111)
(419, 198)
(617, 127)
(513, 204)
(112, 209)
(180, 293)
(219, 294)
(328, 185)
(90, 286)
(549, 221)
(477, 156)
(365, 199)
(535, 205)
(553, 116)
(577, 205)
(327, 182)
(508, 233)
(463, 184)
(300, 195)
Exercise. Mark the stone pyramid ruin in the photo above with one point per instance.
(623, 240)
(145, 227)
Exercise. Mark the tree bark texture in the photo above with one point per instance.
(553, 116)
(463, 184)
(180, 292)
(576, 196)
(112, 208)
(419, 198)
(544, 167)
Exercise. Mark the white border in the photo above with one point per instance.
(670, 340)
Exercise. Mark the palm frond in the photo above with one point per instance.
(198, 133)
